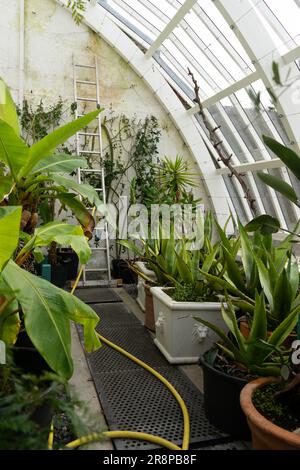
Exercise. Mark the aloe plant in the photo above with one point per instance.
(158, 253)
(253, 264)
(260, 354)
(175, 263)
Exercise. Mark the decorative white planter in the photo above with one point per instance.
(141, 298)
(180, 338)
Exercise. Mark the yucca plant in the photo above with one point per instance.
(260, 353)
(174, 179)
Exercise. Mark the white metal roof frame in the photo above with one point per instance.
(247, 19)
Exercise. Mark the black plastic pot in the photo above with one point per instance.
(121, 270)
(59, 274)
(70, 258)
(27, 358)
(222, 401)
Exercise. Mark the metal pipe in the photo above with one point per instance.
(22, 52)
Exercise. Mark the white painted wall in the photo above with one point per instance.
(51, 39)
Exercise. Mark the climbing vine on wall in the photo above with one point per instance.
(37, 121)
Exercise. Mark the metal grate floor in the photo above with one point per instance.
(133, 399)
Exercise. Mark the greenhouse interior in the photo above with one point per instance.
(149, 228)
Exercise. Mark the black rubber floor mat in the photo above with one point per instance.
(95, 295)
(114, 315)
(132, 398)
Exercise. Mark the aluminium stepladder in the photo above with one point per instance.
(91, 96)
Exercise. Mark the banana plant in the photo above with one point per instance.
(260, 354)
(33, 176)
(46, 309)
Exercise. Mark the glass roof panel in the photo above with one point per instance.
(204, 42)
(287, 14)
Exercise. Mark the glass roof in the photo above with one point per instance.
(204, 41)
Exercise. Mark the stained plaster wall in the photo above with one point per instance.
(51, 40)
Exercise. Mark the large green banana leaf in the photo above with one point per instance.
(13, 151)
(65, 235)
(47, 313)
(8, 112)
(10, 218)
(79, 210)
(85, 190)
(61, 163)
(47, 146)
(6, 185)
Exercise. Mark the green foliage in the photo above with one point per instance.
(185, 293)
(10, 218)
(259, 354)
(49, 330)
(47, 310)
(291, 160)
(20, 397)
(7, 108)
(32, 174)
(269, 403)
(37, 122)
(77, 8)
(262, 267)
(175, 263)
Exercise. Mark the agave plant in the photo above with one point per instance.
(159, 254)
(260, 353)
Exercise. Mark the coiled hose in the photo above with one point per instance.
(129, 434)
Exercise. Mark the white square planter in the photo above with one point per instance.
(141, 298)
(180, 338)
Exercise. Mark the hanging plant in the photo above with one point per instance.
(77, 8)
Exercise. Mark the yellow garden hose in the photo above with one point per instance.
(138, 435)
(123, 435)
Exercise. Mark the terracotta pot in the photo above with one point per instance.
(245, 330)
(149, 309)
(265, 434)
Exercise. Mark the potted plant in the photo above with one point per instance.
(253, 264)
(158, 263)
(272, 412)
(141, 285)
(238, 359)
(272, 407)
(44, 310)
